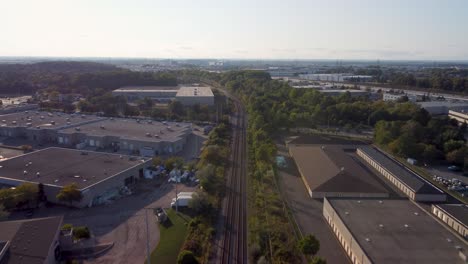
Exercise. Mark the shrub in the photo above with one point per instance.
(67, 227)
(186, 257)
(80, 232)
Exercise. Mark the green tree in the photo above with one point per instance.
(186, 257)
(157, 161)
(309, 245)
(173, 162)
(318, 260)
(457, 156)
(201, 204)
(27, 194)
(70, 193)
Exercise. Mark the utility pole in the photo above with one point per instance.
(147, 237)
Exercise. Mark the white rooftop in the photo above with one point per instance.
(187, 91)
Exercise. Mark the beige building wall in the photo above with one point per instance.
(452, 222)
(344, 236)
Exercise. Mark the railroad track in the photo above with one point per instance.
(234, 242)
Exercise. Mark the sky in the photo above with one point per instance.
(236, 29)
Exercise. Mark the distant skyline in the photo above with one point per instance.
(348, 30)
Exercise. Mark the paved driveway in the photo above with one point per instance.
(122, 222)
(308, 212)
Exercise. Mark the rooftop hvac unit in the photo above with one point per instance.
(13, 122)
(29, 124)
(84, 153)
(52, 122)
(41, 117)
(38, 127)
(102, 127)
(3, 121)
(148, 134)
(38, 174)
(77, 128)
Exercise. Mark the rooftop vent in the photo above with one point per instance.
(111, 118)
(77, 176)
(346, 213)
(102, 127)
(416, 213)
(380, 202)
(38, 174)
(41, 117)
(368, 239)
(52, 122)
(381, 225)
(56, 180)
(406, 225)
(84, 153)
(25, 172)
(13, 122)
(3, 121)
(449, 240)
(38, 127)
(77, 128)
(148, 134)
(359, 201)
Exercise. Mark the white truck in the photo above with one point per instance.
(182, 200)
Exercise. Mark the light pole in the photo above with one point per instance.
(147, 237)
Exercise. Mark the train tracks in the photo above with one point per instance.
(234, 234)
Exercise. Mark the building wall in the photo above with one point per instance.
(193, 100)
(319, 195)
(56, 243)
(344, 236)
(398, 183)
(452, 222)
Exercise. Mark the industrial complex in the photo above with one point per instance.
(135, 136)
(411, 184)
(99, 176)
(331, 171)
(187, 95)
(390, 231)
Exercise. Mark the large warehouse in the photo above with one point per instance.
(159, 93)
(187, 95)
(391, 231)
(453, 215)
(140, 137)
(191, 95)
(411, 184)
(331, 171)
(40, 126)
(143, 137)
(99, 176)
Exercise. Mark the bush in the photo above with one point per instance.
(80, 232)
(67, 227)
(186, 257)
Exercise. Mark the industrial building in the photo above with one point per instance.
(159, 93)
(411, 184)
(331, 171)
(453, 215)
(353, 93)
(187, 95)
(391, 231)
(443, 107)
(142, 137)
(40, 126)
(191, 95)
(30, 241)
(99, 176)
(139, 137)
(461, 117)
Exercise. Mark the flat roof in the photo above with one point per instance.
(341, 91)
(44, 120)
(422, 240)
(412, 180)
(134, 129)
(60, 166)
(147, 88)
(442, 104)
(457, 211)
(29, 240)
(190, 91)
(331, 169)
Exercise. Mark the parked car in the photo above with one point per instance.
(454, 168)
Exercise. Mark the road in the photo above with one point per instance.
(232, 240)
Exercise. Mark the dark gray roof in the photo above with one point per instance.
(409, 178)
(60, 166)
(331, 169)
(457, 211)
(30, 240)
(397, 231)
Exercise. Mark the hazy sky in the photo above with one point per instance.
(267, 29)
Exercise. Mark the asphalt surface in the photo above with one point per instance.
(308, 212)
